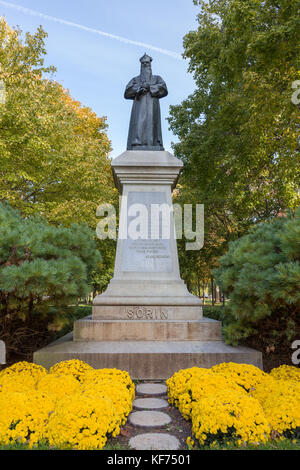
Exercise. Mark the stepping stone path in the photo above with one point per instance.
(154, 441)
(150, 404)
(147, 416)
(149, 419)
(150, 389)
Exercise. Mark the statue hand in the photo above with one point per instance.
(140, 91)
(143, 89)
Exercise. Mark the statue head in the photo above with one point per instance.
(146, 59)
(146, 65)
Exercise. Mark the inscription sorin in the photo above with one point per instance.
(146, 313)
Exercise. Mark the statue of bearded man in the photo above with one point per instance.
(145, 123)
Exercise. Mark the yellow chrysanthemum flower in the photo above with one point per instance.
(24, 417)
(23, 369)
(246, 376)
(73, 406)
(284, 372)
(121, 376)
(117, 393)
(201, 387)
(81, 422)
(58, 386)
(229, 415)
(78, 369)
(280, 400)
(177, 384)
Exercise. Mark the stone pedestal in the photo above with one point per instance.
(146, 322)
(146, 270)
(146, 284)
(2, 353)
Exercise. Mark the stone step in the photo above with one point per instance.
(150, 404)
(154, 441)
(149, 419)
(205, 329)
(151, 389)
(146, 360)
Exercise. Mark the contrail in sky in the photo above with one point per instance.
(28, 11)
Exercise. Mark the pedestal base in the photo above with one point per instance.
(89, 329)
(146, 360)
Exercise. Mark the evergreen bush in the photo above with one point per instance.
(43, 269)
(260, 274)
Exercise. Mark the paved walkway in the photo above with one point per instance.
(148, 413)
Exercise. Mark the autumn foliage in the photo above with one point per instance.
(54, 151)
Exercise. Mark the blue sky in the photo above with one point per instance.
(96, 68)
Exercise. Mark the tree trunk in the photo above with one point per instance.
(212, 290)
(217, 294)
(198, 286)
(30, 307)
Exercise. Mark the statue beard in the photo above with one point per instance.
(146, 75)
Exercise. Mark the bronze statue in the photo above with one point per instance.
(145, 123)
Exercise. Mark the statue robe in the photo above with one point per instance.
(145, 123)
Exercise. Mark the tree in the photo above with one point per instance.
(239, 131)
(197, 266)
(54, 151)
(43, 269)
(261, 276)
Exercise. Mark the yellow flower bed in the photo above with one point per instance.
(283, 414)
(24, 416)
(284, 372)
(246, 376)
(81, 422)
(238, 402)
(100, 375)
(280, 400)
(21, 376)
(114, 385)
(275, 388)
(202, 384)
(177, 384)
(76, 368)
(58, 386)
(229, 415)
(72, 406)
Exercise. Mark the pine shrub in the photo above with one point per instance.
(43, 269)
(260, 274)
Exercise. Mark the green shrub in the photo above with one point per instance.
(43, 269)
(261, 276)
(218, 312)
